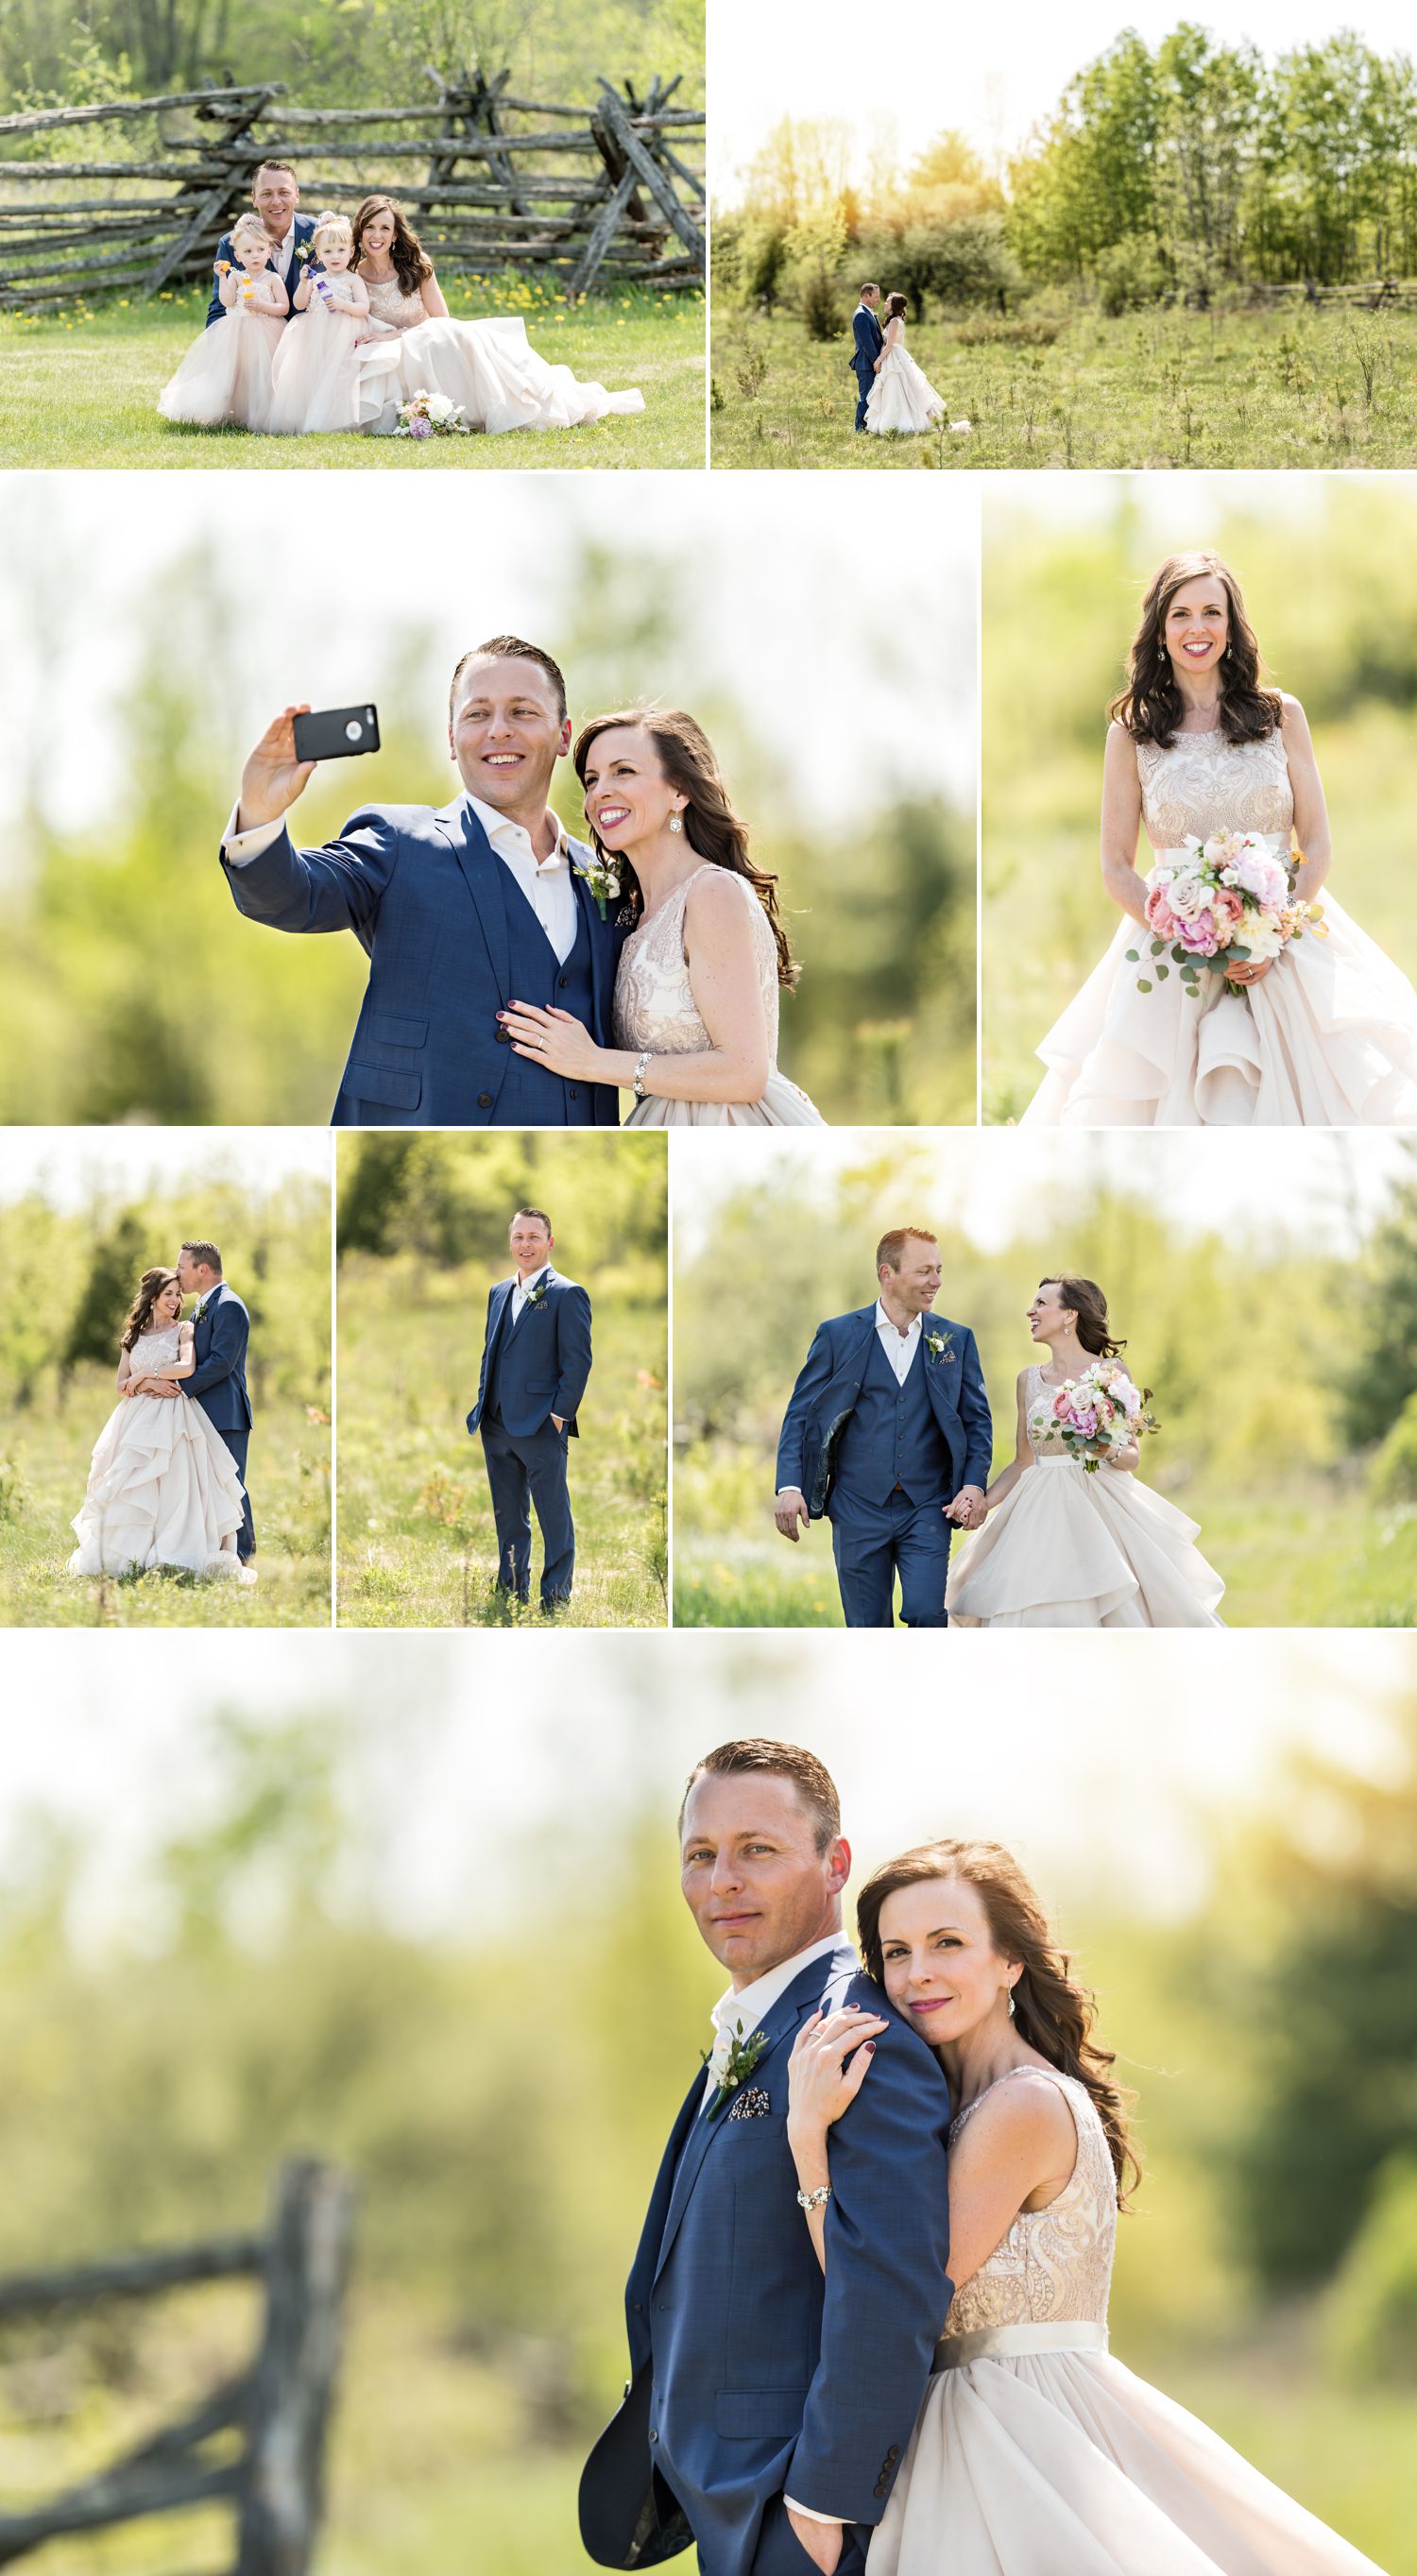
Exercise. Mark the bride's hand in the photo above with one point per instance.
(1250, 971)
(553, 1038)
(828, 2068)
(273, 777)
(1122, 1461)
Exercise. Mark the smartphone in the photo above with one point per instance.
(336, 733)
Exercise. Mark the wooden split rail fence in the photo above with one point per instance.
(279, 2408)
(587, 195)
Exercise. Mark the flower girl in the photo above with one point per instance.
(226, 376)
(316, 381)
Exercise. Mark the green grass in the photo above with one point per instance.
(417, 1546)
(42, 1478)
(80, 388)
(1155, 389)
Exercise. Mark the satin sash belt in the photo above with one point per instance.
(1277, 842)
(1004, 2343)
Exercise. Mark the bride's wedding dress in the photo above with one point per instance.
(163, 1488)
(655, 1013)
(1068, 1550)
(1327, 1039)
(488, 367)
(1036, 2454)
(902, 397)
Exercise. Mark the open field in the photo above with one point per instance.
(42, 1479)
(80, 388)
(1156, 389)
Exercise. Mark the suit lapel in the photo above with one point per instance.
(502, 1297)
(482, 873)
(547, 1279)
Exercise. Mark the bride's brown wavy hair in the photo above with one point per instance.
(1151, 706)
(150, 1288)
(411, 261)
(1052, 2011)
(711, 827)
(1086, 1298)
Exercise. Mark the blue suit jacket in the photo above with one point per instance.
(304, 230)
(829, 1384)
(218, 1382)
(544, 1360)
(426, 897)
(869, 339)
(759, 2378)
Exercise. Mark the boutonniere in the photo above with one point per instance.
(603, 878)
(302, 250)
(534, 1295)
(938, 1345)
(199, 1310)
(730, 2062)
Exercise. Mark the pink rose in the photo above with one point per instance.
(1159, 914)
(1060, 1405)
(1227, 907)
(1199, 936)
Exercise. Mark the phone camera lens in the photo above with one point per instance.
(353, 730)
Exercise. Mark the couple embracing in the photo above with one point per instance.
(517, 976)
(894, 396)
(888, 1435)
(868, 2314)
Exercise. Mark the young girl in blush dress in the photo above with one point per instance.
(225, 378)
(315, 385)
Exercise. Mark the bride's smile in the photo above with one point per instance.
(632, 806)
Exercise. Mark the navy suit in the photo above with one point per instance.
(218, 1383)
(880, 1459)
(304, 231)
(752, 2378)
(451, 940)
(868, 341)
(531, 1369)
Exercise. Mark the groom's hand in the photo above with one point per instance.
(272, 777)
(788, 1510)
(821, 2540)
(968, 1510)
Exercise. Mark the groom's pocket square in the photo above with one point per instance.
(754, 2105)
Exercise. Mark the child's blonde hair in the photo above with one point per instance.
(331, 227)
(248, 224)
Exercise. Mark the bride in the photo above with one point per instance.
(412, 345)
(1034, 2452)
(696, 988)
(163, 1489)
(1322, 1035)
(902, 397)
(1069, 1549)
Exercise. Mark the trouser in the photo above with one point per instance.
(876, 1542)
(863, 388)
(238, 1442)
(525, 1471)
(780, 2552)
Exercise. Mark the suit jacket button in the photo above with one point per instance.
(562, 981)
(894, 2452)
(484, 1100)
(654, 2432)
(573, 1093)
(504, 1037)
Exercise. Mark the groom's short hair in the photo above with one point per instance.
(540, 1215)
(870, 287)
(810, 1778)
(287, 166)
(206, 1253)
(891, 1248)
(511, 648)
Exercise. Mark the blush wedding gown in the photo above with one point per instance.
(490, 368)
(225, 379)
(163, 1488)
(315, 379)
(1036, 2454)
(902, 397)
(1327, 1039)
(1068, 1550)
(655, 1012)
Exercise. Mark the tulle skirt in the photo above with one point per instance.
(489, 368)
(1068, 1550)
(902, 397)
(315, 379)
(226, 378)
(782, 1105)
(163, 1491)
(1066, 2464)
(1329, 1039)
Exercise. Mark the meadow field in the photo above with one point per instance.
(80, 388)
(1160, 388)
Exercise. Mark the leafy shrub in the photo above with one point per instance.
(1392, 1477)
(817, 302)
(1373, 2309)
(1128, 274)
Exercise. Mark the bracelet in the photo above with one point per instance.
(639, 1075)
(817, 2199)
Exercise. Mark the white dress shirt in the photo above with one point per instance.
(281, 254)
(900, 1348)
(547, 883)
(519, 1293)
(737, 2016)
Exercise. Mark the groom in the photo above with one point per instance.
(460, 912)
(275, 194)
(768, 2409)
(868, 340)
(218, 1381)
(888, 1436)
(535, 1365)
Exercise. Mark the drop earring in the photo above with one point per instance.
(1010, 1993)
(676, 823)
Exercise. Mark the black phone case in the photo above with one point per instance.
(326, 733)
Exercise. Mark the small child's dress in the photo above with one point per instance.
(225, 377)
(316, 379)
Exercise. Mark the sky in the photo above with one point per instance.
(1325, 1187)
(67, 1164)
(992, 74)
(468, 1775)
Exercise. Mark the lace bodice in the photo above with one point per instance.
(654, 1000)
(1054, 2262)
(388, 303)
(1203, 784)
(1033, 1389)
(153, 1351)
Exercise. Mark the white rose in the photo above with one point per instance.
(1187, 896)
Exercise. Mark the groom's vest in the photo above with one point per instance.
(892, 1437)
(530, 1096)
(491, 1407)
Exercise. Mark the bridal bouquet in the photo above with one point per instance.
(427, 415)
(1089, 1415)
(1227, 901)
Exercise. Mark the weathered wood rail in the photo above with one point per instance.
(276, 2411)
(590, 195)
